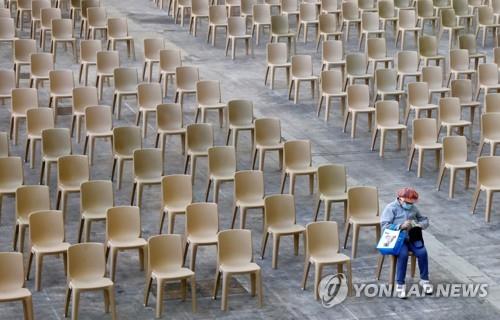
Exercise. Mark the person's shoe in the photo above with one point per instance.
(427, 286)
(401, 291)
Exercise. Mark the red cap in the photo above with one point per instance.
(408, 193)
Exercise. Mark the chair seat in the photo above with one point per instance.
(69, 187)
(334, 94)
(239, 268)
(243, 36)
(6, 188)
(122, 156)
(100, 134)
(179, 207)
(172, 131)
(459, 123)
(61, 94)
(410, 28)
(50, 248)
(94, 215)
(97, 283)
(127, 243)
(286, 229)
(429, 145)
(173, 274)
(278, 146)
(328, 257)
(202, 238)
(392, 127)
(302, 170)
(439, 90)
(391, 92)
(126, 92)
(409, 73)
(280, 65)
(242, 126)
(222, 176)
(438, 57)
(250, 203)
(22, 221)
(333, 197)
(426, 107)
(492, 139)
(381, 59)
(148, 180)
(289, 34)
(212, 106)
(14, 294)
(365, 109)
(461, 165)
(198, 153)
(365, 220)
(463, 70)
(121, 38)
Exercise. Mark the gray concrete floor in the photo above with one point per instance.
(462, 248)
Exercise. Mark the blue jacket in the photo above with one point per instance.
(394, 213)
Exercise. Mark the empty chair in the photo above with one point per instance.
(61, 87)
(236, 29)
(152, 49)
(488, 181)
(362, 211)
(449, 22)
(454, 159)
(199, 138)
(164, 263)
(37, 120)
(407, 22)
(221, 168)
(350, 16)
(261, 18)
(462, 89)
(86, 271)
(56, 142)
(148, 170)
(72, 171)
(248, 194)
(186, 78)
(322, 249)
(36, 15)
(217, 18)
(491, 102)
(459, 64)
(332, 187)
(99, 124)
(182, 7)
(386, 84)
(84, 5)
(23, 48)
(468, 41)
(199, 10)
(82, 98)
(96, 197)
(47, 238)
(7, 83)
(370, 25)
(428, 50)
(424, 138)
(118, 31)
(358, 101)
(240, 118)
(12, 281)
(125, 141)
(169, 61)
(327, 28)
(425, 12)
(301, 70)
(297, 161)
(126, 80)
(169, 122)
(106, 63)
(407, 66)
(487, 78)
(148, 97)
(208, 97)
(47, 15)
(267, 137)
(377, 53)
(277, 57)
(490, 133)
(279, 220)
(177, 194)
(123, 232)
(418, 100)
(29, 199)
(62, 32)
(202, 225)
(462, 12)
(96, 21)
(387, 13)
(280, 28)
(23, 99)
(11, 176)
(485, 21)
(331, 86)
(449, 116)
(41, 64)
(433, 76)
(387, 119)
(308, 15)
(235, 256)
(356, 68)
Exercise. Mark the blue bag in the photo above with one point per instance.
(391, 241)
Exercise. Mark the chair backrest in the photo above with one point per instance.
(449, 109)
(84, 97)
(126, 79)
(148, 163)
(308, 11)
(356, 63)
(39, 119)
(468, 41)
(107, 61)
(208, 92)
(86, 261)
(462, 89)
(30, 199)
(322, 237)
(123, 223)
(328, 23)
(177, 190)
(11, 271)
(427, 46)
(236, 26)
(126, 140)
(165, 252)
(433, 76)
(221, 160)
(199, 137)
(152, 48)
(387, 113)
(186, 77)
(362, 201)
(61, 81)
(249, 185)
(280, 24)
(218, 14)
(46, 227)
(234, 247)
(73, 169)
(279, 209)
(56, 142)
(488, 169)
(62, 29)
(350, 10)
(459, 59)
(302, 66)
(24, 99)
(461, 7)
(407, 61)
(386, 9)
(7, 82)
(370, 21)
(11, 171)
(149, 95)
(425, 8)
(376, 48)
(332, 81)
(297, 154)
(199, 7)
(454, 149)
(246, 7)
(202, 218)
(23, 48)
(485, 15)
(448, 17)
(489, 124)
(488, 74)
(41, 64)
(7, 29)
(407, 19)
(97, 16)
(96, 196)
(386, 79)
(358, 96)
(37, 6)
(170, 59)
(492, 102)
(262, 13)
(277, 53)
(332, 179)
(267, 131)
(98, 119)
(117, 27)
(424, 131)
(169, 116)
(47, 14)
(240, 112)
(418, 94)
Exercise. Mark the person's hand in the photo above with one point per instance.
(406, 225)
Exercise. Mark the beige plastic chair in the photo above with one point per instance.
(23, 48)
(454, 159)
(97, 20)
(462, 89)
(202, 225)
(86, 271)
(123, 232)
(152, 49)
(240, 118)
(332, 187)
(169, 61)
(328, 27)
(99, 125)
(106, 63)
(468, 41)
(199, 138)
(424, 138)
(370, 25)
(297, 161)
(377, 53)
(41, 64)
(208, 97)
(118, 31)
(96, 197)
(165, 264)
(277, 57)
(56, 142)
(72, 171)
(386, 84)
(169, 122)
(308, 16)
(362, 211)
(358, 101)
(387, 13)
(425, 12)
(490, 133)
(487, 78)
(236, 29)
(186, 78)
(459, 65)
(84, 6)
(7, 83)
(62, 84)
(449, 116)
(279, 220)
(485, 21)
(350, 16)
(4, 144)
(47, 238)
(148, 170)
(248, 194)
(12, 281)
(82, 98)
(491, 102)
(23, 99)
(261, 18)
(11, 176)
(221, 168)
(36, 15)
(235, 256)
(125, 141)
(488, 181)
(301, 70)
(177, 194)
(217, 18)
(149, 95)
(37, 120)
(331, 86)
(322, 249)
(463, 13)
(74, 7)
(199, 10)
(407, 22)
(126, 81)
(267, 137)
(387, 119)
(418, 100)
(433, 75)
(407, 66)
(356, 68)
(280, 28)
(47, 15)
(182, 7)
(449, 22)
(246, 8)
(28, 200)
(62, 32)
(428, 50)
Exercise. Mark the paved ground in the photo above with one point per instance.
(462, 248)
